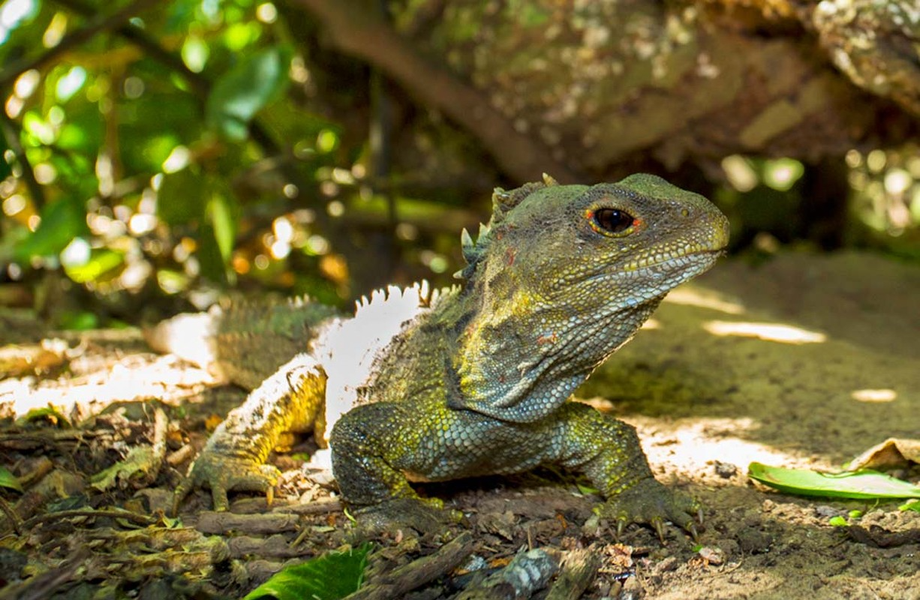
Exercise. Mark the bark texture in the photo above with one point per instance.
(605, 86)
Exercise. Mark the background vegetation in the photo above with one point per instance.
(155, 154)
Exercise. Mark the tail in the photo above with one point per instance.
(246, 343)
(190, 336)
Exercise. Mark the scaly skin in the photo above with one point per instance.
(478, 383)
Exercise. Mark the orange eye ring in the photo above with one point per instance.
(611, 221)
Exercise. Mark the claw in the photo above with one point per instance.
(658, 524)
(219, 497)
(649, 503)
(403, 516)
(223, 473)
(177, 500)
(179, 495)
(694, 534)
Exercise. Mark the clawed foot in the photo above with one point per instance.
(404, 516)
(224, 473)
(651, 503)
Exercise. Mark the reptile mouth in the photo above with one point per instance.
(676, 260)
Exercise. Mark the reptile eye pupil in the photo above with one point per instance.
(613, 220)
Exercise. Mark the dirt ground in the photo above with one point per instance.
(804, 361)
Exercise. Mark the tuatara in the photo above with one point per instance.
(476, 379)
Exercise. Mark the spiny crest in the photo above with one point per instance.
(400, 303)
(503, 201)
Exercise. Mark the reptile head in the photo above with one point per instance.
(565, 275)
(610, 245)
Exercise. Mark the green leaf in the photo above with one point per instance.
(62, 221)
(70, 84)
(5, 168)
(245, 89)
(587, 490)
(223, 217)
(48, 413)
(172, 282)
(209, 256)
(141, 464)
(195, 53)
(78, 320)
(182, 197)
(914, 505)
(331, 576)
(100, 262)
(863, 484)
(9, 481)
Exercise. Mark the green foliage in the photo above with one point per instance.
(331, 576)
(245, 89)
(228, 148)
(78, 320)
(147, 162)
(5, 167)
(100, 263)
(49, 414)
(9, 481)
(182, 197)
(61, 222)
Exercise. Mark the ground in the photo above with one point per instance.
(804, 360)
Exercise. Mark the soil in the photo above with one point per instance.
(802, 361)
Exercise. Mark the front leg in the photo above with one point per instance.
(607, 451)
(373, 447)
(291, 400)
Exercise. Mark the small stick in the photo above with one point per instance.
(311, 508)
(44, 585)
(579, 568)
(399, 582)
(10, 513)
(222, 522)
(69, 514)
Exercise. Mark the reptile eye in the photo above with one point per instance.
(612, 220)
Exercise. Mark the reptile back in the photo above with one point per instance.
(246, 342)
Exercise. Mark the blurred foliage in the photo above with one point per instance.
(193, 147)
(195, 165)
(771, 201)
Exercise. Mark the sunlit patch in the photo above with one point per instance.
(880, 395)
(129, 380)
(702, 299)
(697, 444)
(652, 324)
(771, 332)
(177, 160)
(741, 175)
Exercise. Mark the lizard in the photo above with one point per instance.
(473, 380)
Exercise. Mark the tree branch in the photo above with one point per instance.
(93, 27)
(364, 35)
(397, 583)
(150, 46)
(200, 84)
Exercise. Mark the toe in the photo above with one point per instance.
(219, 496)
(651, 503)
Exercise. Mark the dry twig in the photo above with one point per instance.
(399, 582)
